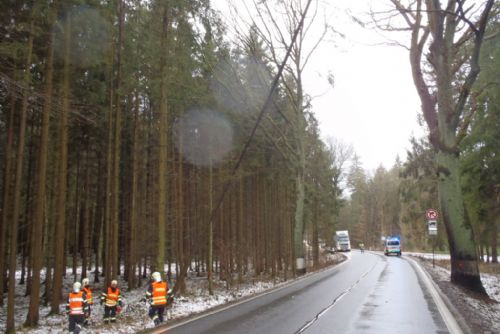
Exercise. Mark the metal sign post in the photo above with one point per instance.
(433, 244)
(432, 216)
(432, 226)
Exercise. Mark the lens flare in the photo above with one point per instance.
(203, 136)
(241, 88)
(89, 36)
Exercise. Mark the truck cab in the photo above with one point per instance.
(342, 242)
(392, 246)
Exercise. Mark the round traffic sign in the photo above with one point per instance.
(431, 214)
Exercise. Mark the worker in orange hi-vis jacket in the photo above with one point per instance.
(76, 308)
(90, 301)
(112, 301)
(157, 295)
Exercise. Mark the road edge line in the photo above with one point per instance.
(223, 307)
(452, 318)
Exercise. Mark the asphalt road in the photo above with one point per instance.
(369, 293)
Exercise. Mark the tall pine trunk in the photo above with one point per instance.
(10, 326)
(315, 233)
(36, 250)
(132, 256)
(181, 253)
(62, 177)
(210, 260)
(115, 208)
(300, 128)
(163, 149)
(5, 210)
(86, 220)
(494, 241)
(106, 242)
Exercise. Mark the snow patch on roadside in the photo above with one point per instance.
(134, 315)
(438, 256)
(482, 315)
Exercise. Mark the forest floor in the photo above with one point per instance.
(475, 313)
(482, 314)
(133, 317)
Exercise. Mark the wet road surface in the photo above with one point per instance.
(370, 293)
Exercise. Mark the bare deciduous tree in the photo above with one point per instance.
(444, 56)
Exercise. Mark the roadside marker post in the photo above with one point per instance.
(433, 244)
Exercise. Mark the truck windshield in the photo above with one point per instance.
(393, 243)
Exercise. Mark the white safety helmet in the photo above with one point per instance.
(85, 281)
(156, 276)
(114, 283)
(76, 287)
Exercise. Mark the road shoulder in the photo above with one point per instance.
(453, 319)
(474, 313)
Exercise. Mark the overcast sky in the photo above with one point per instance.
(373, 105)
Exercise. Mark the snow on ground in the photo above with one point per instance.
(134, 317)
(490, 282)
(480, 315)
(492, 285)
(437, 256)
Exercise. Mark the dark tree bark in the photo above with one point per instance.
(443, 108)
(10, 325)
(62, 177)
(4, 212)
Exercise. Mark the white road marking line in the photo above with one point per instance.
(449, 319)
(272, 290)
(335, 301)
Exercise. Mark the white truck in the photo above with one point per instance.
(342, 242)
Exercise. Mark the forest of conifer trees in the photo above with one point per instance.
(121, 123)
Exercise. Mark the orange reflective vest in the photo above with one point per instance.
(76, 302)
(112, 297)
(159, 293)
(88, 291)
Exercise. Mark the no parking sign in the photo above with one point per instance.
(431, 214)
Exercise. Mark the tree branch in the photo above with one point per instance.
(474, 63)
